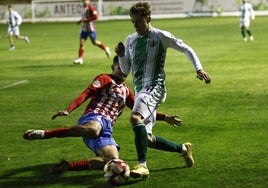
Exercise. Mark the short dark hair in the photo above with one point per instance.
(142, 9)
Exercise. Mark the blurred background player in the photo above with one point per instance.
(14, 21)
(89, 14)
(246, 12)
(109, 95)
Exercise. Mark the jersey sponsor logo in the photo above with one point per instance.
(97, 84)
(152, 43)
(130, 46)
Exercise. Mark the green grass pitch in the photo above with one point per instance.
(226, 120)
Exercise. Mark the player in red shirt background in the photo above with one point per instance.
(89, 14)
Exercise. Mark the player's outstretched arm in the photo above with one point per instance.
(60, 113)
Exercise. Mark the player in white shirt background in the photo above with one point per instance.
(14, 20)
(246, 13)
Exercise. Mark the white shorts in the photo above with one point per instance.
(13, 31)
(146, 103)
(244, 23)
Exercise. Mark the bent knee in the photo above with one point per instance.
(136, 118)
(92, 129)
(109, 152)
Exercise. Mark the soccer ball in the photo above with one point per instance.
(116, 172)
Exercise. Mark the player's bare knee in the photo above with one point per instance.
(135, 118)
(109, 152)
(92, 130)
(93, 133)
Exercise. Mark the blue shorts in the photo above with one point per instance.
(91, 34)
(105, 137)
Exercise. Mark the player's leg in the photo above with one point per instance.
(243, 28)
(25, 38)
(163, 144)
(10, 33)
(104, 146)
(251, 38)
(140, 140)
(20, 37)
(96, 163)
(81, 50)
(100, 44)
(91, 130)
(243, 33)
(145, 106)
(106, 153)
(160, 143)
(248, 32)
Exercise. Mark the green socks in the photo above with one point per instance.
(159, 143)
(140, 141)
(165, 145)
(248, 32)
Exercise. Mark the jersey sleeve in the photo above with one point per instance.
(130, 99)
(18, 18)
(93, 14)
(170, 40)
(97, 84)
(252, 13)
(160, 116)
(125, 61)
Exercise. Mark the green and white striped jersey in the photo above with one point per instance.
(145, 56)
(247, 12)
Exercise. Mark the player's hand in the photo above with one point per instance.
(120, 49)
(60, 113)
(202, 75)
(173, 120)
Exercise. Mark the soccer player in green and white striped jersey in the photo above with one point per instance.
(246, 12)
(14, 20)
(144, 54)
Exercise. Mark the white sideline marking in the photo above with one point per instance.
(14, 84)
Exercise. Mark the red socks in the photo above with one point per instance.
(81, 53)
(59, 133)
(79, 165)
(102, 46)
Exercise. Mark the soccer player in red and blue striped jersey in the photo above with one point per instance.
(88, 16)
(109, 95)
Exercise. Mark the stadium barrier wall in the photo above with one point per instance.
(69, 10)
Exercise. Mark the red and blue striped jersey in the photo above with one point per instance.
(107, 98)
(90, 14)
